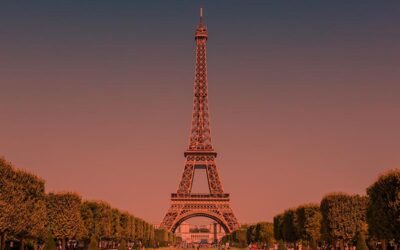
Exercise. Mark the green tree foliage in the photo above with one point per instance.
(383, 213)
(302, 223)
(8, 198)
(265, 233)
(161, 237)
(146, 233)
(278, 227)
(127, 231)
(88, 221)
(343, 216)
(116, 229)
(289, 228)
(23, 206)
(64, 213)
(251, 234)
(113, 226)
(241, 237)
(238, 238)
(132, 228)
(102, 216)
(281, 245)
(171, 238)
(151, 240)
(139, 229)
(309, 220)
(27, 214)
(226, 238)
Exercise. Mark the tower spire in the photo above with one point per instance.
(200, 133)
(201, 14)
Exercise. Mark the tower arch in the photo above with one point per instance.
(214, 216)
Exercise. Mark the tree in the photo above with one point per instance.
(361, 244)
(152, 236)
(8, 199)
(281, 245)
(278, 227)
(50, 244)
(171, 238)
(22, 205)
(122, 245)
(313, 245)
(241, 236)
(309, 220)
(116, 229)
(238, 237)
(28, 214)
(265, 233)
(161, 237)
(146, 233)
(132, 228)
(251, 234)
(93, 245)
(64, 213)
(88, 221)
(289, 228)
(343, 216)
(139, 229)
(125, 224)
(101, 219)
(383, 214)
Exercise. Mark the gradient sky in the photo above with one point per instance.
(96, 97)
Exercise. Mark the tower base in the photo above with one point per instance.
(213, 206)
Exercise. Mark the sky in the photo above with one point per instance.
(96, 98)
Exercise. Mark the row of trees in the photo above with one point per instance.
(28, 214)
(164, 238)
(261, 232)
(339, 220)
(22, 205)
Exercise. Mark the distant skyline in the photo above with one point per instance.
(96, 98)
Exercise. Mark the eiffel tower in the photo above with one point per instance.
(200, 155)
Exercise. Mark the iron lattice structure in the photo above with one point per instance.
(200, 155)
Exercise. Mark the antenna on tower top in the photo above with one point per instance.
(201, 14)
